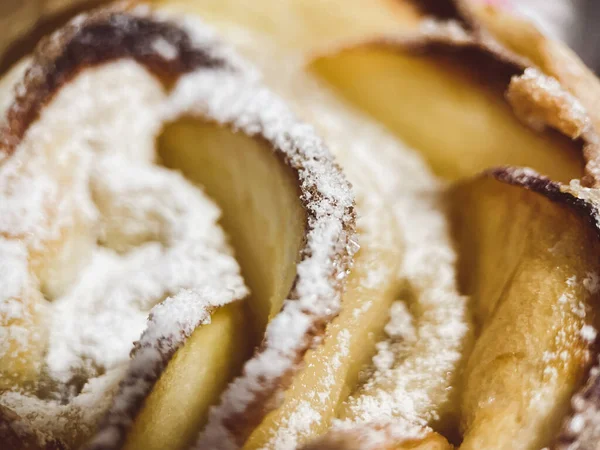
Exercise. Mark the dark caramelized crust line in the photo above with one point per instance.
(485, 66)
(581, 427)
(552, 190)
(497, 31)
(447, 10)
(100, 37)
(458, 10)
(450, 44)
(441, 9)
(497, 68)
(138, 383)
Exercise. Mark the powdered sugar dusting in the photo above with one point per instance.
(238, 99)
(227, 93)
(392, 178)
(540, 100)
(164, 48)
(378, 436)
(106, 236)
(582, 429)
(233, 96)
(588, 333)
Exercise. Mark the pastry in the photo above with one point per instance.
(25, 23)
(462, 314)
(513, 391)
(97, 235)
(442, 48)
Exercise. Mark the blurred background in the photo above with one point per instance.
(576, 22)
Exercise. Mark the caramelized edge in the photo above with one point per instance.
(495, 28)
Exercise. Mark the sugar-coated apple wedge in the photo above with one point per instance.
(285, 204)
(261, 211)
(409, 85)
(177, 406)
(391, 436)
(332, 369)
(529, 261)
(381, 274)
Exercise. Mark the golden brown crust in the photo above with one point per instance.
(540, 101)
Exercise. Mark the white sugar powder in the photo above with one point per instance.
(106, 235)
(385, 175)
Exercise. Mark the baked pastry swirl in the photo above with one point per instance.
(92, 182)
(468, 316)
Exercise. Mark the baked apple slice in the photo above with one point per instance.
(484, 132)
(516, 382)
(394, 262)
(529, 260)
(111, 209)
